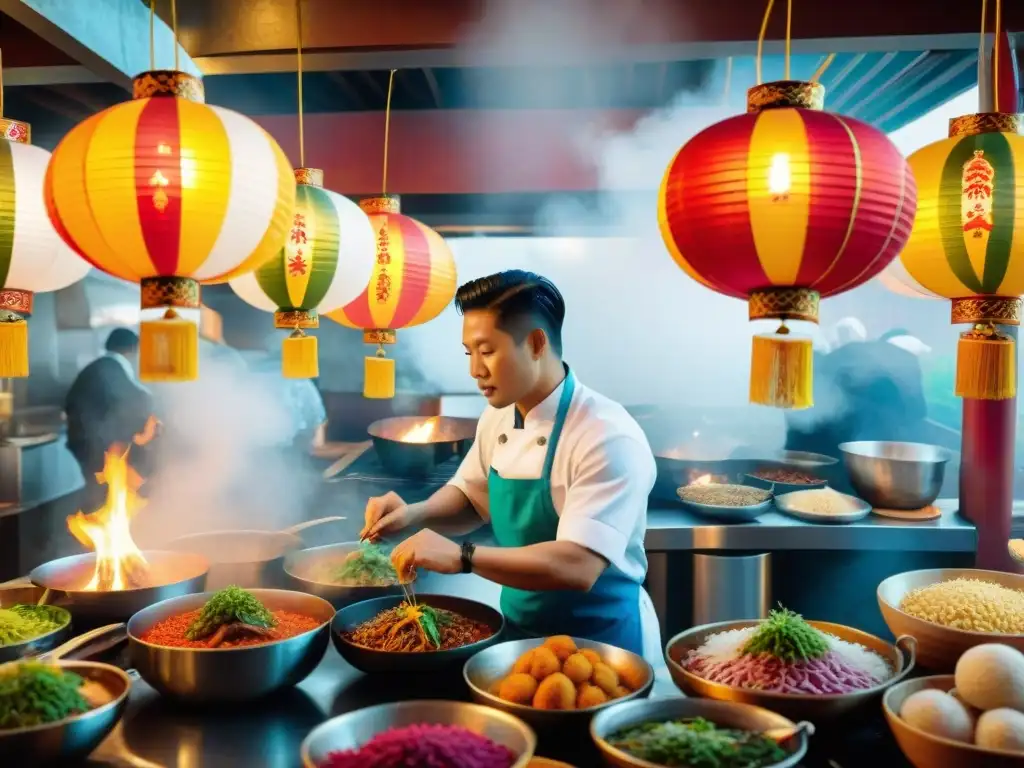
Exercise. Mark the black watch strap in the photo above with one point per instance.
(468, 548)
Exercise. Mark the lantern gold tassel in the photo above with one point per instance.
(169, 349)
(379, 376)
(13, 346)
(985, 365)
(781, 370)
(299, 356)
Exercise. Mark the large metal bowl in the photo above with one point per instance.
(233, 674)
(721, 713)
(353, 729)
(924, 750)
(369, 660)
(895, 475)
(172, 573)
(489, 666)
(67, 741)
(30, 595)
(939, 647)
(796, 706)
(451, 437)
(302, 572)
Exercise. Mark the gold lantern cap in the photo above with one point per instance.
(986, 122)
(16, 131)
(17, 301)
(802, 94)
(169, 291)
(784, 303)
(381, 204)
(296, 318)
(999, 310)
(168, 82)
(309, 177)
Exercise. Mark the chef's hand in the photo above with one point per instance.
(385, 514)
(430, 550)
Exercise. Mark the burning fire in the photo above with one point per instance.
(697, 478)
(702, 480)
(421, 433)
(107, 531)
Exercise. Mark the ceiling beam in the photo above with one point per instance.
(110, 38)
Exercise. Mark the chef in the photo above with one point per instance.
(561, 472)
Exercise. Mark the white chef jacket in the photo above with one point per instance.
(601, 477)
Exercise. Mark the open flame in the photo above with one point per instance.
(421, 433)
(702, 480)
(107, 531)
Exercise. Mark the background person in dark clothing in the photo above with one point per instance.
(105, 405)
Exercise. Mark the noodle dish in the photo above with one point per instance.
(417, 628)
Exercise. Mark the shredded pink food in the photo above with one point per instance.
(424, 746)
(829, 674)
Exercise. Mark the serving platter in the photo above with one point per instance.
(786, 503)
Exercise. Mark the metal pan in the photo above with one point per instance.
(786, 503)
(248, 559)
(368, 660)
(245, 673)
(30, 595)
(72, 739)
(747, 514)
(302, 570)
(451, 437)
(173, 573)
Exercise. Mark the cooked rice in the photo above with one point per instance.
(968, 604)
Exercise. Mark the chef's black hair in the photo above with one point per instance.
(522, 301)
(122, 340)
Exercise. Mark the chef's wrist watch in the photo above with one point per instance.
(468, 548)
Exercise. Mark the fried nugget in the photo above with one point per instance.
(632, 676)
(605, 678)
(523, 662)
(577, 668)
(590, 696)
(555, 692)
(519, 688)
(544, 663)
(592, 656)
(562, 645)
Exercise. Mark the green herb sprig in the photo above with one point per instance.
(229, 605)
(372, 565)
(33, 693)
(786, 636)
(698, 744)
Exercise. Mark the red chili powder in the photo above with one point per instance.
(437, 746)
(170, 632)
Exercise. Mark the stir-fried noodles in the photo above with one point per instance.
(417, 628)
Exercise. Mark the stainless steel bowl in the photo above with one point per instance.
(30, 595)
(797, 706)
(490, 665)
(230, 674)
(721, 713)
(939, 647)
(895, 475)
(303, 571)
(924, 750)
(353, 729)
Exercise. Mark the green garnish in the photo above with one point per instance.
(430, 620)
(369, 565)
(19, 623)
(698, 744)
(229, 605)
(33, 693)
(786, 636)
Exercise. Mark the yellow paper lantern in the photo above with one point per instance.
(169, 192)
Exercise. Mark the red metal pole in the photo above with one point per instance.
(987, 476)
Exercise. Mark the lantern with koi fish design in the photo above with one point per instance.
(169, 192)
(783, 206)
(413, 281)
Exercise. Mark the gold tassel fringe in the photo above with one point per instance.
(299, 356)
(782, 370)
(986, 365)
(379, 377)
(13, 347)
(169, 349)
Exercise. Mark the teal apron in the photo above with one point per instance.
(523, 513)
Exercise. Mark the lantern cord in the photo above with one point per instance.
(152, 34)
(387, 132)
(760, 39)
(820, 71)
(174, 30)
(298, 51)
(789, 35)
(995, 56)
(728, 80)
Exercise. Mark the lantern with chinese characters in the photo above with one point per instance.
(967, 246)
(783, 206)
(33, 259)
(326, 263)
(170, 192)
(413, 281)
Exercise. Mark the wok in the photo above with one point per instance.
(369, 660)
(246, 558)
(29, 595)
(243, 673)
(172, 573)
(71, 739)
(451, 437)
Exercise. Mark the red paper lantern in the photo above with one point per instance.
(782, 206)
